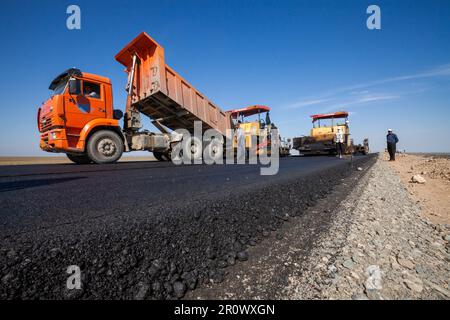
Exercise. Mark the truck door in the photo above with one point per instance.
(86, 104)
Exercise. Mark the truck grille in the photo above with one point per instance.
(46, 124)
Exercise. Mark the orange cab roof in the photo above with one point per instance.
(333, 115)
(74, 72)
(95, 77)
(249, 111)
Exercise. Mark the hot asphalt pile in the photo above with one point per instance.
(160, 256)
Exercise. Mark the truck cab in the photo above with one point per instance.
(81, 105)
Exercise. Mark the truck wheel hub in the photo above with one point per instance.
(107, 147)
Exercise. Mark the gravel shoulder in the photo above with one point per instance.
(379, 247)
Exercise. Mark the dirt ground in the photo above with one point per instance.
(433, 196)
(14, 161)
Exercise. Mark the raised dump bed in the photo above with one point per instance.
(163, 95)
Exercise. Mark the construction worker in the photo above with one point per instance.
(391, 140)
(340, 142)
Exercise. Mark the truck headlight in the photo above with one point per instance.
(54, 136)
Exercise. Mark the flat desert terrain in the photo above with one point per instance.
(431, 193)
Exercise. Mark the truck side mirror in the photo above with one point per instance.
(117, 114)
(74, 86)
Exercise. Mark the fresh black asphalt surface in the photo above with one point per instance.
(45, 196)
(145, 229)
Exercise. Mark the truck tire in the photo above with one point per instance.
(166, 156)
(214, 151)
(193, 148)
(188, 149)
(104, 146)
(79, 158)
(161, 156)
(158, 155)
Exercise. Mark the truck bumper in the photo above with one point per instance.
(54, 141)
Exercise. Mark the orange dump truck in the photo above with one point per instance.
(79, 118)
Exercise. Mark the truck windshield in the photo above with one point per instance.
(60, 87)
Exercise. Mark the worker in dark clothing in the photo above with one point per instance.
(392, 140)
(339, 137)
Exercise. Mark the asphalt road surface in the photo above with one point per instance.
(44, 196)
(154, 228)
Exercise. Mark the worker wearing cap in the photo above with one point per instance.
(392, 140)
(340, 142)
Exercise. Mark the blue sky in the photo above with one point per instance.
(298, 57)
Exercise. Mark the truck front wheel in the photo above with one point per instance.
(79, 158)
(104, 146)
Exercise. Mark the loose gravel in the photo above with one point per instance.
(379, 247)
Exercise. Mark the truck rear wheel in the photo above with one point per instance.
(105, 146)
(214, 151)
(193, 148)
(188, 149)
(79, 158)
(158, 155)
(161, 156)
